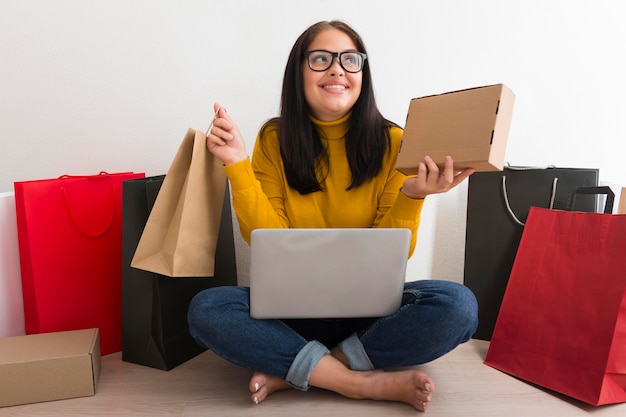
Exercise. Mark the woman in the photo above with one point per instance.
(329, 161)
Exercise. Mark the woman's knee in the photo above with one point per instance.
(463, 308)
(454, 301)
(208, 306)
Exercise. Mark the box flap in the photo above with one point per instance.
(45, 346)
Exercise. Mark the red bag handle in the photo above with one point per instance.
(73, 217)
(101, 174)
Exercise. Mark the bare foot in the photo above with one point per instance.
(410, 386)
(262, 385)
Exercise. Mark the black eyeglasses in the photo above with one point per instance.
(320, 60)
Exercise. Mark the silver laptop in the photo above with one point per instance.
(327, 273)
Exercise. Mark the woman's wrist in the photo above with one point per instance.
(414, 197)
(235, 160)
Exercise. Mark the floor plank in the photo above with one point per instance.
(210, 386)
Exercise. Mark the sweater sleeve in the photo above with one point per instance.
(257, 204)
(394, 208)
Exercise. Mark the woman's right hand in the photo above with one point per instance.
(430, 179)
(224, 140)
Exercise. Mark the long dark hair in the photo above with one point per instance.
(304, 155)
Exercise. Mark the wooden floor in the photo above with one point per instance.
(209, 386)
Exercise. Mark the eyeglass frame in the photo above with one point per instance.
(333, 56)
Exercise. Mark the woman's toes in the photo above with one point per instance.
(262, 385)
(257, 387)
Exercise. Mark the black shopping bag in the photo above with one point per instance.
(497, 207)
(155, 332)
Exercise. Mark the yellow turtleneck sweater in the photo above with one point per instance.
(262, 197)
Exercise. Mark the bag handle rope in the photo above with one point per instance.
(506, 195)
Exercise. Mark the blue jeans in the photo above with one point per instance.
(435, 317)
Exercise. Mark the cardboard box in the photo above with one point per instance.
(470, 125)
(49, 366)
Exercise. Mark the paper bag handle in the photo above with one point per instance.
(212, 120)
(608, 204)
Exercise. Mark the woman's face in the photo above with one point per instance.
(331, 93)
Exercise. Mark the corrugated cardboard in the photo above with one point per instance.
(470, 125)
(49, 366)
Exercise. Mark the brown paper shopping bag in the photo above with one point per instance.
(180, 236)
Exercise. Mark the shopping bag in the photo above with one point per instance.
(154, 319)
(70, 244)
(11, 304)
(497, 207)
(180, 236)
(562, 324)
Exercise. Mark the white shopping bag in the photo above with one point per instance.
(11, 302)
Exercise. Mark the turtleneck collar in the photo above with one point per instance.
(336, 129)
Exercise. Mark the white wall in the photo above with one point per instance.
(113, 85)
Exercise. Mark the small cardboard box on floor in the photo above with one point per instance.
(49, 366)
(470, 125)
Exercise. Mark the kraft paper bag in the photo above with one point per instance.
(180, 236)
(11, 304)
(562, 324)
(497, 207)
(155, 331)
(70, 243)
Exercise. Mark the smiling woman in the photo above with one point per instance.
(328, 161)
(330, 89)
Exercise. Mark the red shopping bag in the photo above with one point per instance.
(70, 244)
(562, 324)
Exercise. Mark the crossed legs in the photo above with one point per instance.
(435, 317)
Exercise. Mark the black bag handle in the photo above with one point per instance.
(610, 197)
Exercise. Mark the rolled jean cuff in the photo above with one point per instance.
(355, 352)
(303, 364)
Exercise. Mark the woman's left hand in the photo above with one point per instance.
(431, 180)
